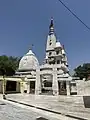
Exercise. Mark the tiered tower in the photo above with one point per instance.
(55, 52)
(54, 71)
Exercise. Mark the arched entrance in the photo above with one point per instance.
(46, 84)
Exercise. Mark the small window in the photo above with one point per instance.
(50, 53)
(58, 69)
(50, 43)
(58, 61)
(57, 52)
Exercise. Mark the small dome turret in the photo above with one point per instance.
(58, 44)
(28, 62)
(63, 51)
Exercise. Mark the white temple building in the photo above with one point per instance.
(52, 77)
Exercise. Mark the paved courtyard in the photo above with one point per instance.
(65, 105)
(14, 111)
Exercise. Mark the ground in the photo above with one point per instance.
(14, 111)
(29, 107)
(10, 111)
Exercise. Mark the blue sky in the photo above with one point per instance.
(26, 22)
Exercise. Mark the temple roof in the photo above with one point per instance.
(28, 61)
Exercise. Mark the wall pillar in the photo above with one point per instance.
(55, 82)
(22, 87)
(68, 87)
(1, 84)
(38, 82)
(28, 87)
(17, 86)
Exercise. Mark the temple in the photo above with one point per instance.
(52, 77)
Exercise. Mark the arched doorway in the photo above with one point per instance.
(46, 84)
(62, 87)
(11, 86)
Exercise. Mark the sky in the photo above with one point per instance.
(26, 22)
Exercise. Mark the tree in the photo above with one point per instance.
(82, 71)
(8, 65)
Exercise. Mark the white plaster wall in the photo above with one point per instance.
(18, 87)
(53, 40)
(83, 87)
(1, 84)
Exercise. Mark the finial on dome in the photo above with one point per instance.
(51, 24)
(31, 47)
(51, 27)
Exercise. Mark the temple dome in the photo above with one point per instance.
(58, 44)
(28, 62)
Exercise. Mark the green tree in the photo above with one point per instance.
(82, 71)
(8, 65)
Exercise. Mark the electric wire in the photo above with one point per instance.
(74, 14)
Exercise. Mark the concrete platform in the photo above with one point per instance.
(72, 106)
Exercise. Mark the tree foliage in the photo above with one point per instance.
(8, 65)
(82, 71)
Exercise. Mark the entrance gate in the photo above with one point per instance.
(62, 88)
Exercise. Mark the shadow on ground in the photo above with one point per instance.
(86, 100)
(41, 118)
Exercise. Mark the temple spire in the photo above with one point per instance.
(51, 27)
(30, 50)
(31, 47)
